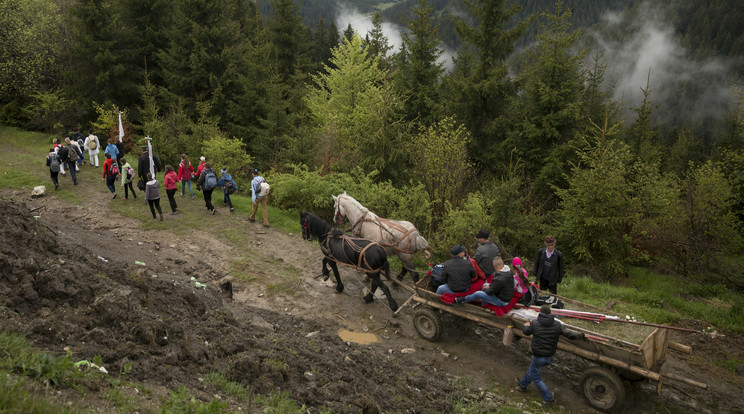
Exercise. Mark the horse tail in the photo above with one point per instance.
(386, 269)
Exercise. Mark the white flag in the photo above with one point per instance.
(152, 163)
(121, 129)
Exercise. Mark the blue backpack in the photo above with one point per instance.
(210, 180)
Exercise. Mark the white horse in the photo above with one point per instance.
(396, 236)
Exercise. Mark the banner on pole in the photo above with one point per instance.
(121, 129)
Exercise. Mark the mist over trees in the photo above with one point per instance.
(526, 139)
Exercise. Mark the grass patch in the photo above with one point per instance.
(16, 398)
(662, 299)
(181, 401)
(230, 388)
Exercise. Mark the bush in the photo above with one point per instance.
(230, 154)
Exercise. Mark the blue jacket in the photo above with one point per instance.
(225, 178)
(111, 149)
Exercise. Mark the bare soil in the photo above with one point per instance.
(77, 287)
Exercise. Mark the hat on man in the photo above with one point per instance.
(224, 171)
(457, 249)
(483, 234)
(143, 148)
(202, 158)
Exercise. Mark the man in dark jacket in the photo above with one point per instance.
(549, 266)
(545, 333)
(457, 272)
(485, 253)
(501, 290)
(143, 164)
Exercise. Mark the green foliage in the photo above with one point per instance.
(48, 109)
(16, 355)
(230, 154)
(459, 224)
(441, 162)
(595, 208)
(15, 398)
(230, 388)
(280, 403)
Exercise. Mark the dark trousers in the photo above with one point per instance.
(155, 204)
(127, 188)
(110, 179)
(227, 200)
(208, 199)
(171, 199)
(545, 285)
(55, 178)
(71, 169)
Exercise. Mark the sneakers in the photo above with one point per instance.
(192, 197)
(125, 198)
(214, 210)
(549, 403)
(522, 388)
(56, 186)
(460, 300)
(75, 183)
(161, 216)
(252, 220)
(113, 196)
(267, 226)
(174, 213)
(232, 209)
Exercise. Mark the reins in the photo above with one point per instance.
(386, 225)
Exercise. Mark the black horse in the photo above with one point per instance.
(363, 254)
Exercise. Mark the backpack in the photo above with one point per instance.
(91, 143)
(229, 187)
(210, 180)
(130, 173)
(54, 164)
(72, 154)
(263, 189)
(113, 169)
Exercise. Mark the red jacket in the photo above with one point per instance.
(200, 168)
(185, 173)
(107, 166)
(170, 180)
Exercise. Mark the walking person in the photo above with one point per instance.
(549, 266)
(152, 195)
(171, 186)
(143, 164)
(545, 331)
(69, 158)
(113, 151)
(57, 147)
(127, 176)
(110, 171)
(200, 168)
(207, 183)
(258, 197)
(52, 161)
(229, 186)
(75, 152)
(185, 174)
(92, 144)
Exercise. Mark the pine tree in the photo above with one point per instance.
(419, 70)
(377, 42)
(479, 90)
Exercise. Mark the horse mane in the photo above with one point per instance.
(362, 209)
(317, 225)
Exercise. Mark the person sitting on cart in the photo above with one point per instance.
(499, 292)
(457, 272)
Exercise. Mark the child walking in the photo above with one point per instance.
(171, 186)
(152, 195)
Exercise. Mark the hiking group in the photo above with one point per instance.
(67, 158)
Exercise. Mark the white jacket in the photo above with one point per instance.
(94, 138)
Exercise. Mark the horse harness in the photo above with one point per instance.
(383, 224)
(347, 240)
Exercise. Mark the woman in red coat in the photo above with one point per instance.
(185, 174)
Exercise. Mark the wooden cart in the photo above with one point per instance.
(602, 385)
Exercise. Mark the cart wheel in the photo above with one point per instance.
(603, 389)
(427, 324)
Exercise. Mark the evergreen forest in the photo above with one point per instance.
(525, 131)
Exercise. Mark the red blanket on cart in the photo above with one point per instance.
(478, 285)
